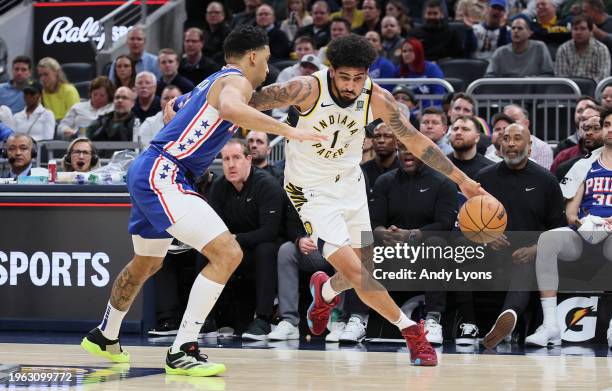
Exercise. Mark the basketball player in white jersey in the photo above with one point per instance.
(326, 186)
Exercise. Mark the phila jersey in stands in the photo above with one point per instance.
(597, 199)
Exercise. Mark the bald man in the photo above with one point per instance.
(533, 201)
(540, 152)
(259, 146)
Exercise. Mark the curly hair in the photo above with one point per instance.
(352, 51)
(242, 39)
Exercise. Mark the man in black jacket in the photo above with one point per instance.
(119, 124)
(250, 202)
(533, 202)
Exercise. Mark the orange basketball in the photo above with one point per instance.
(482, 219)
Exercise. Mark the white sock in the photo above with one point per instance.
(403, 321)
(328, 292)
(549, 308)
(203, 296)
(111, 323)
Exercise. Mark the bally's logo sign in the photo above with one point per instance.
(64, 30)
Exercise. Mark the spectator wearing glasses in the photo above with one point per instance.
(81, 156)
(119, 124)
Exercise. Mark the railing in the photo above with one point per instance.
(601, 86)
(6, 5)
(122, 15)
(53, 146)
(278, 147)
(549, 100)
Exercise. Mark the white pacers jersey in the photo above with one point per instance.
(310, 163)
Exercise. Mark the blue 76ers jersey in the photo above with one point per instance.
(597, 197)
(196, 134)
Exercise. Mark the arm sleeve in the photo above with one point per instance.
(49, 125)
(69, 121)
(561, 66)
(604, 65)
(269, 205)
(547, 64)
(445, 212)
(379, 204)
(295, 229)
(492, 70)
(555, 217)
(72, 97)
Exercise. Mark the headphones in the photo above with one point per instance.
(34, 152)
(94, 153)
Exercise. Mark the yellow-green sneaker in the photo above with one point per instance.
(189, 362)
(98, 345)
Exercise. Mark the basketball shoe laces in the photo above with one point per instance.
(321, 312)
(194, 351)
(419, 342)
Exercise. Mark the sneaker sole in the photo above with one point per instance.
(255, 337)
(418, 362)
(552, 342)
(503, 326)
(290, 337)
(435, 341)
(95, 350)
(212, 334)
(162, 333)
(466, 341)
(209, 370)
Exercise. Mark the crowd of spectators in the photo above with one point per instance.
(412, 39)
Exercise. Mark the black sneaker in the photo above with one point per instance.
(189, 362)
(98, 345)
(258, 330)
(209, 329)
(468, 334)
(165, 327)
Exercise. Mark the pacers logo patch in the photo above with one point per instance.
(308, 228)
(296, 195)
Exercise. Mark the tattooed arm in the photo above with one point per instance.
(385, 107)
(299, 91)
(230, 95)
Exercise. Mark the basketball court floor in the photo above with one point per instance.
(300, 365)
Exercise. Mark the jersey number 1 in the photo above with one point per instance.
(333, 144)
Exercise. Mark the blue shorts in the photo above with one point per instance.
(160, 195)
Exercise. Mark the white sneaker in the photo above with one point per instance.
(545, 335)
(284, 331)
(610, 334)
(354, 332)
(434, 331)
(469, 334)
(501, 330)
(335, 329)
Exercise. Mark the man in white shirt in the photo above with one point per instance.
(303, 45)
(35, 120)
(152, 125)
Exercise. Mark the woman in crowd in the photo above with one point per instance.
(298, 18)
(125, 72)
(413, 66)
(58, 94)
(82, 114)
(396, 8)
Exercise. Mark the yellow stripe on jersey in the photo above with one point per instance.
(305, 115)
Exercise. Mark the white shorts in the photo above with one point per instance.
(196, 229)
(334, 213)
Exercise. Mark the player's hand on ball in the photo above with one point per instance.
(471, 188)
(305, 135)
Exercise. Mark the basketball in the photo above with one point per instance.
(482, 219)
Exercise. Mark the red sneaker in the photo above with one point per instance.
(421, 352)
(319, 310)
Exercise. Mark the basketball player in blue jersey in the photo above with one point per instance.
(164, 204)
(592, 197)
(325, 183)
